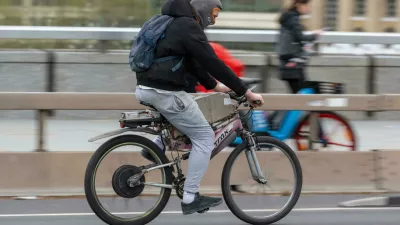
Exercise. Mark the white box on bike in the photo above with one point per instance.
(215, 106)
(139, 115)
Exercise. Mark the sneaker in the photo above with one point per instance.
(200, 203)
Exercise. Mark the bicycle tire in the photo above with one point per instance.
(225, 184)
(332, 115)
(96, 158)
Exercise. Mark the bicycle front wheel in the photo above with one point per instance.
(282, 166)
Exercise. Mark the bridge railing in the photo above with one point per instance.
(43, 101)
(223, 35)
(62, 173)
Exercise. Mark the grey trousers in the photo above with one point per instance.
(182, 111)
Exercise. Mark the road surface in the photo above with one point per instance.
(310, 210)
(73, 135)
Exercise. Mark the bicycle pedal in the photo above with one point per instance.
(203, 211)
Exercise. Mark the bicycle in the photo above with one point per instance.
(292, 123)
(128, 181)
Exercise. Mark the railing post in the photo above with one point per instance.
(50, 77)
(313, 129)
(371, 80)
(265, 74)
(40, 119)
(103, 46)
(272, 70)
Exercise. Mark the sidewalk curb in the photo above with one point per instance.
(390, 201)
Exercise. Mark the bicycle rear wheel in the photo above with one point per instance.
(279, 175)
(113, 182)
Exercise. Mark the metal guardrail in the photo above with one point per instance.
(127, 101)
(222, 35)
(44, 101)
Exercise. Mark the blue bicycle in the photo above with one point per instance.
(293, 124)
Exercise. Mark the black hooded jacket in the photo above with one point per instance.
(185, 37)
(291, 36)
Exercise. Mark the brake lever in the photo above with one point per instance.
(232, 94)
(257, 102)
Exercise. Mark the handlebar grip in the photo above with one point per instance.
(257, 102)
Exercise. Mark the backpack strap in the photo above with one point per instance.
(177, 66)
(163, 59)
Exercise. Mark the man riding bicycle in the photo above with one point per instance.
(194, 87)
(164, 88)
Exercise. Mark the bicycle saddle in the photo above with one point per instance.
(147, 104)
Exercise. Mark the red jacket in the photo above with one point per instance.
(222, 53)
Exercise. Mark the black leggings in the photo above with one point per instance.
(294, 79)
(295, 84)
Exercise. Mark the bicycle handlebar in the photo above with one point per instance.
(243, 99)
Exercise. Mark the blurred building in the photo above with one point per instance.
(74, 12)
(252, 14)
(354, 15)
(340, 15)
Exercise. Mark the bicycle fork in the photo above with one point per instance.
(251, 156)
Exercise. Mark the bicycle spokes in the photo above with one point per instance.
(334, 134)
(126, 186)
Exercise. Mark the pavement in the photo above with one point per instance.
(73, 135)
(310, 210)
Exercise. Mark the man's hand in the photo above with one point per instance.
(252, 97)
(221, 88)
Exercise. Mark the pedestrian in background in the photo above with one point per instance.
(290, 44)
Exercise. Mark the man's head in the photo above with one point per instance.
(207, 11)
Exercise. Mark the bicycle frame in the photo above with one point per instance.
(225, 133)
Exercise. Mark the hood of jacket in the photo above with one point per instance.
(204, 10)
(178, 8)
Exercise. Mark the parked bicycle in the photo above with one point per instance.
(128, 181)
